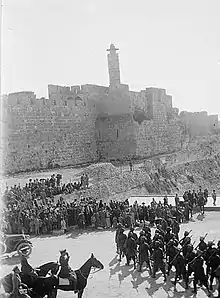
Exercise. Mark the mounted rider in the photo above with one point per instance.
(26, 267)
(66, 271)
(12, 285)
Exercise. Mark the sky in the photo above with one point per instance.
(170, 44)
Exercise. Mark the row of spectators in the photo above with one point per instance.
(45, 188)
(32, 209)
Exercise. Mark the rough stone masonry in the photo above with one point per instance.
(89, 123)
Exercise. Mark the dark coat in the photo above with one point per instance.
(144, 252)
(131, 247)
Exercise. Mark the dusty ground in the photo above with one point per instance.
(116, 280)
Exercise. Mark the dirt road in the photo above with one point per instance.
(116, 280)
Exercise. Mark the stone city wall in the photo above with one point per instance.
(115, 137)
(82, 124)
(157, 138)
(44, 137)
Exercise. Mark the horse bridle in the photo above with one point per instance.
(92, 273)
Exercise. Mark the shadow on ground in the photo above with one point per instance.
(152, 284)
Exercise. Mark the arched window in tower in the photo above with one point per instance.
(117, 133)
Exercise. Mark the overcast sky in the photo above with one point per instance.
(169, 44)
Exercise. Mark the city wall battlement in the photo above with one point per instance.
(89, 123)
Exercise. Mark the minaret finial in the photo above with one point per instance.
(113, 67)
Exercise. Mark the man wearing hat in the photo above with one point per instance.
(199, 274)
(118, 230)
(131, 249)
(171, 252)
(146, 228)
(26, 267)
(66, 271)
(184, 242)
(12, 284)
(158, 261)
(121, 243)
(202, 245)
(134, 235)
(168, 236)
(144, 253)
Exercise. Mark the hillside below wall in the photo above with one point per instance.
(175, 179)
(43, 138)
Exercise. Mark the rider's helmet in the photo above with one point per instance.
(201, 238)
(63, 251)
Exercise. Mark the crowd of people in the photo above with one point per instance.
(160, 251)
(33, 208)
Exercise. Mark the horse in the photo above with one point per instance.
(45, 268)
(7, 284)
(50, 285)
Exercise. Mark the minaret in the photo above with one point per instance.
(113, 67)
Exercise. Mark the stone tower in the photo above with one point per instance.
(113, 67)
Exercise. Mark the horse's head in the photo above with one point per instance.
(96, 263)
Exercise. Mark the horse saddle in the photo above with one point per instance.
(64, 281)
(68, 281)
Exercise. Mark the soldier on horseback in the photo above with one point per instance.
(13, 286)
(66, 271)
(26, 267)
